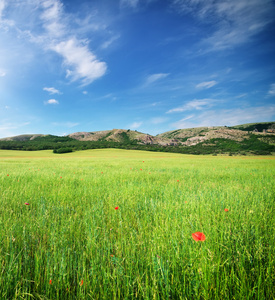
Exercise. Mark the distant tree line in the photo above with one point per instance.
(252, 145)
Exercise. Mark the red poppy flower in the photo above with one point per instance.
(50, 282)
(140, 169)
(226, 209)
(26, 203)
(81, 283)
(178, 181)
(198, 236)
(8, 175)
(60, 176)
(116, 207)
(112, 255)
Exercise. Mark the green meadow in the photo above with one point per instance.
(118, 224)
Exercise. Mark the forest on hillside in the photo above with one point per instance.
(253, 145)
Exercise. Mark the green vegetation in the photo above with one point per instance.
(257, 145)
(255, 126)
(63, 150)
(70, 242)
(253, 145)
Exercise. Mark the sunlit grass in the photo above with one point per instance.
(71, 243)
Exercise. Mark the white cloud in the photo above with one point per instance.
(51, 90)
(241, 95)
(2, 6)
(110, 41)
(8, 129)
(271, 91)
(135, 125)
(65, 124)
(84, 92)
(52, 29)
(236, 21)
(206, 84)
(129, 3)
(158, 120)
(51, 101)
(155, 77)
(52, 14)
(83, 64)
(228, 117)
(196, 104)
(2, 73)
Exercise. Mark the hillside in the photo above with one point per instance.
(121, 136)
(256, 138)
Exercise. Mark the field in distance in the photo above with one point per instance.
(125, 224)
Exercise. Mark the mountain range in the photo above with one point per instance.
(208, 137)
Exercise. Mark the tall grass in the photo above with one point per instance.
(71, 243)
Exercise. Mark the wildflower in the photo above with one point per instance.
(178, 181)
(81, 283)
(116, 207)
(50, 282)
(112, 255)
(26, 203)
(198, 236)
(60, 176)
(226, 209)
(8, 175)
(140, 169)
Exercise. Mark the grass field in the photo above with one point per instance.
(118, 224)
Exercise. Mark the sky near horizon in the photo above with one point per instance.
(146, 65)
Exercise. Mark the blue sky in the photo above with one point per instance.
(146, 65)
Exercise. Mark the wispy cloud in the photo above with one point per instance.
(52, 17)
(8, 129)
(65, 124)
(51, 90)
(129, 3)
(2, 73)
(51, 101)
(206, 84)
(196, 104)
(159, 120)
(228, 117)
(52, 29)
(155, 77)
(2, 6)
(271, 91)
(236, 21)
(83, 64)
(241, 96)
(135, 125)
(110, 41)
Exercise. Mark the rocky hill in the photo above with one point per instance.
(23, 137)
(186, 137)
